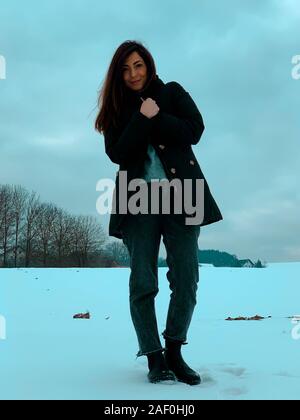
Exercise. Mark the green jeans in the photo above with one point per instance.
(142, 235)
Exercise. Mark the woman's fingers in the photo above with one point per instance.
(149, 107)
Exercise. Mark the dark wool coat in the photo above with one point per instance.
(177, 126)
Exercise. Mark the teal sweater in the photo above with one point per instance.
(153, 168)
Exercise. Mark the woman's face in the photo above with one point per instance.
(134, 70)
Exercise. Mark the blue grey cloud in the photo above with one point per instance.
(233, 57)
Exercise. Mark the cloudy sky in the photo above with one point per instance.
(234, 58)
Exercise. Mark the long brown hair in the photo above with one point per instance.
(112, 94)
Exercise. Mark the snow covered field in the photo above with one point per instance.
(48, 355)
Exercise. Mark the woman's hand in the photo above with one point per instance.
(149, 108)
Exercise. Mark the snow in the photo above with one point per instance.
(48, 355)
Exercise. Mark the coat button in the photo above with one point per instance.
(192, 162)
(173, 170)
(162, 146)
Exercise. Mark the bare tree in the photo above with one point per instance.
(45, 225)
(87, 238)
(20, 196)
(6, 220)
(118, 252)
(61, 233)
(32, 211)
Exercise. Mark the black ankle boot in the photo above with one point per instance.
(178, 366)
(158, 369)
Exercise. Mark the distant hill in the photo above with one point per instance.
(224, 259)
(117, 256)
(220, 259)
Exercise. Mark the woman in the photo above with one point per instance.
(149, 128)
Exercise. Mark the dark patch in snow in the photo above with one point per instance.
(82, 316)
(234, 371)
(235, 391)
(207, 379)
(253, 318)
(285, 374)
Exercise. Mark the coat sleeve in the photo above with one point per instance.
(123, 148)
(186, 126)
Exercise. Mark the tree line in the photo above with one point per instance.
(40, 234)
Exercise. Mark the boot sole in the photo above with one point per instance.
(191, 382)
(167, 379)
(164, 381)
